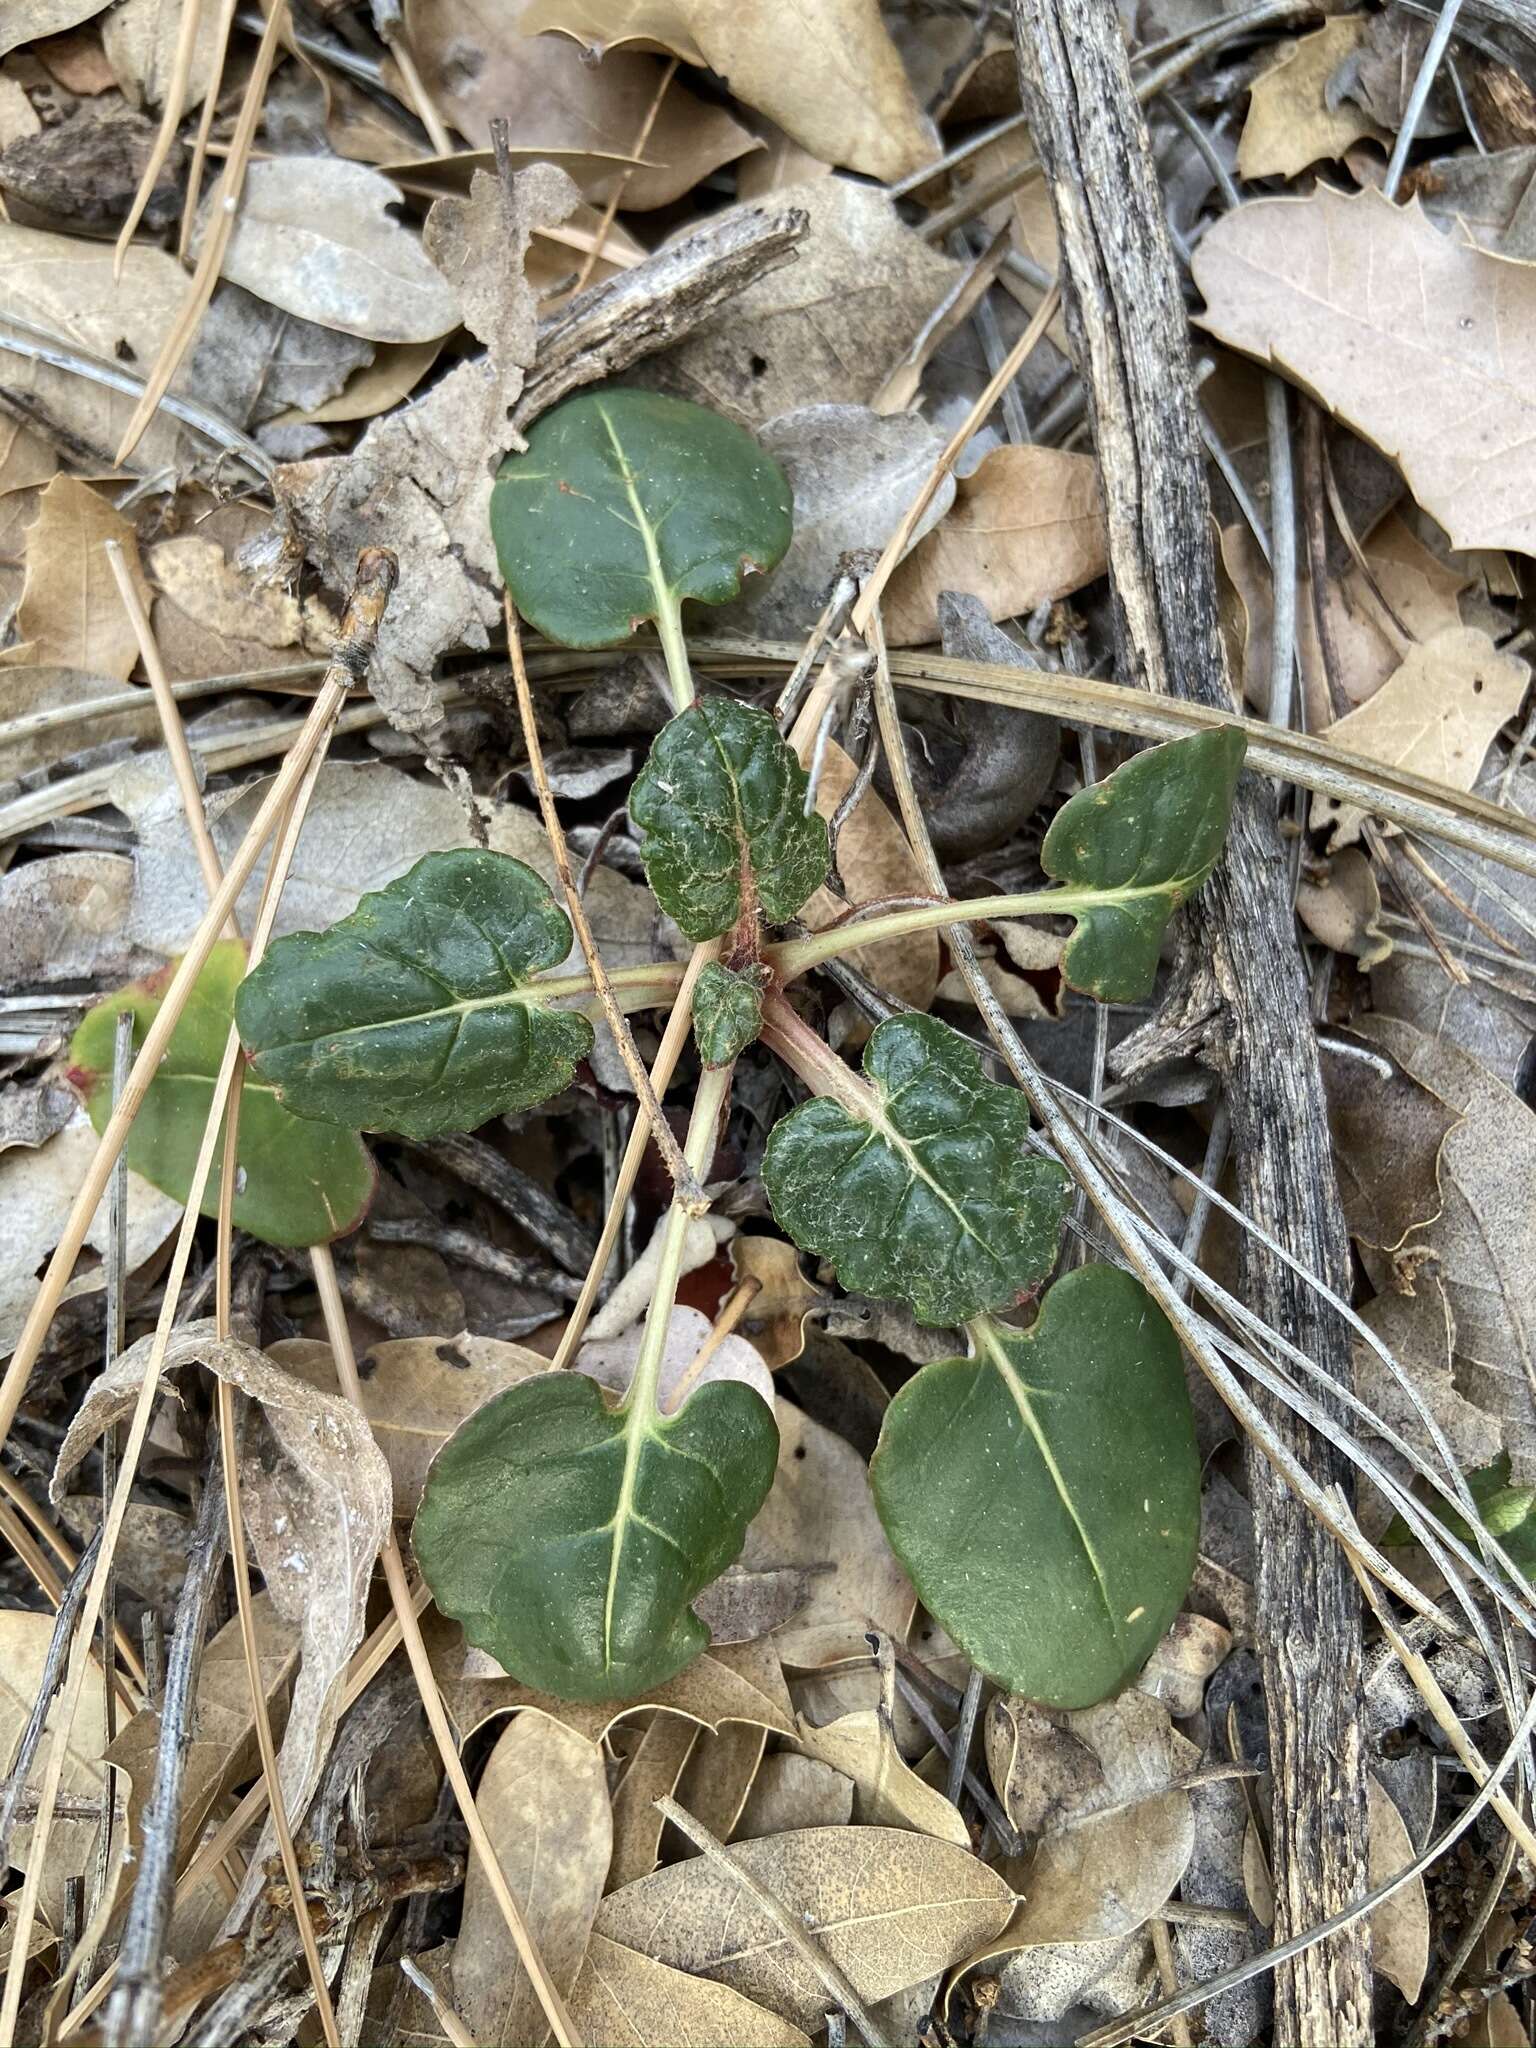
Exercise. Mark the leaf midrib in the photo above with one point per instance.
(528, 995)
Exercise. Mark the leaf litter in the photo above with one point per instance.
(372, 348)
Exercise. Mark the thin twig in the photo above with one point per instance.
(809, 1952)
(1434, 50)
(205, 127)
(170, 121)
(72, 1596)
(964, 1736)
(687, 1189)
(442, 2011)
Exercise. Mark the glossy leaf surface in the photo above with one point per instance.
(1151, 833)
(720, 807)
(415, 1014)
(1044, 1495)
(934, 1200)
(727, 1011)
(298, 1183)
(627, 502)
(577, 1583)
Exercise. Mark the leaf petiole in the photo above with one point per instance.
(795, 957)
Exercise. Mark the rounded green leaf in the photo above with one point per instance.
(298, 1183)
(727, 1010)
(1149, 834)
(627, 502)
(720, 808)
(933, 1200)
(1044, 1495)
(417, 1013)
(578, 1583)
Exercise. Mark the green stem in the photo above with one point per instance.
(806, 1053)
(669, 630)
(640, 1401)
(797, 956)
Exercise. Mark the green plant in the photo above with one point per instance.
(1043, 1491)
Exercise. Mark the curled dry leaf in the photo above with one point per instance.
(836, 85)
(543, 1797)
(793, 1791)
(887, 1792)
(550, 96)
(1026, 526)
(775, 1316)
(316, 1494)
(719, 1774)
(824, 330)
(24, 1640)
(889, 1908)
(655, 1765)
(624, 1999)
(315, 237)
(1093, 1880)
(1437, 716)
(1040, 1770)
(70, 612)
(1423, 344)
(139, 40)
(1341, 906)
(1294, 115)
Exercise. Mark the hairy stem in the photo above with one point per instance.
(669, 630)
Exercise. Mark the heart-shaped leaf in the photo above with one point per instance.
(570, 1537)
(720, 807)
(417, 1013)
(298, 1182)
(927, 1195)
(625, 503)
(1149, 835)
(727, 1010)
(1044, 1495)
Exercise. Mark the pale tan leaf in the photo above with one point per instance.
(1419, 1331)
(611, 1362)
(544, 1800)
(819, 1512)
(826, 329)
(24, 1640)
(193, 575)
(1400, 1925)
(25, 21)
(1039, 1769)
(70, 612)
(888, 1907)
(25, 690)
(1437, 716)
(139, 38)
(1026, 527)
(876, 861)
(478, 65)
(316, 1496)
(1341, 907)
(654, 1767)
(314, 237)
(1421, 342)
(624, 1999)
(794, 1791)
(1100, 1879)
(397, 368)
(833, 81)
(775, 1317)
(743, 1605)
(887, 1791)
(719, 1775)
(1293, 119)
(1178, 1669)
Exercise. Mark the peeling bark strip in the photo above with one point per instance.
(1240, 997)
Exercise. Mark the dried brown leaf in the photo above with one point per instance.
(836, 84)
(794, 1791)
(1422, 343)
(1400, 1925)
(887, 1791)
(775, 1317)
(1026, 526)
(543, 1797)
(1388, 1134)
(24, 1640)
(26, 21)
(719, 1775)
(70, 613)
(1341, 907)
(139, 38)
(316, 1495)
(1294, 119)
(626, 2000)
(888, 1907)
(655, 1765)
(1420, 1332)
(1437, 715)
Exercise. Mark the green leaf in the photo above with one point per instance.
(577, 1582)
(929, 1197)
(625, 503)
(1151, 832)
(417, 1014)
(1505, 1510)
(727, 1011)
(720, 807)
(297, 1183)
(1044, 1495)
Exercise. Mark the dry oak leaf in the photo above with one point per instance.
(1293, 118)
(24, 1640)
(1437, 715)
(775, 1316)
(70, 613)
(655, 1765)
(544, 1800)
(1422, 343)
(827, 73)
(889, 1908)
(626, 2000)
(1027, 526)
(27, 21)
(887, 1791)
